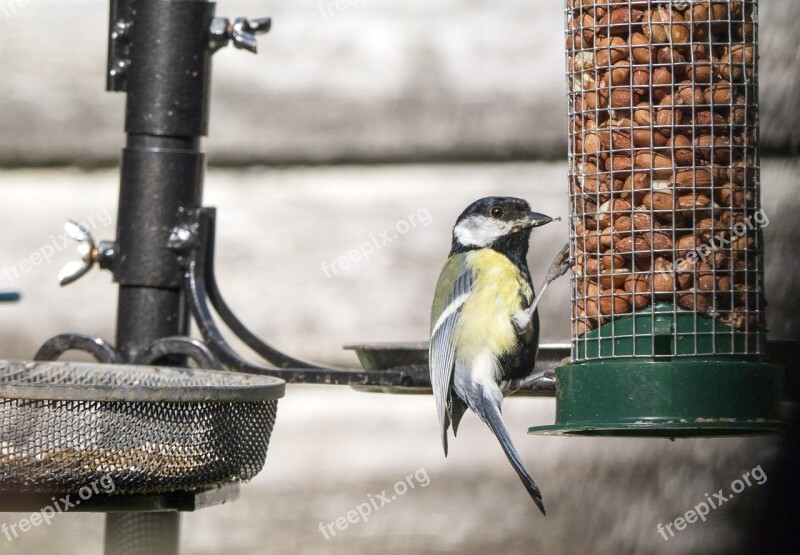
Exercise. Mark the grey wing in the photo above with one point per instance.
(441, 356)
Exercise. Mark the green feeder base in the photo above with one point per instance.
(666, 372)
(655, 398)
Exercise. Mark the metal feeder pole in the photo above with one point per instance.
(167, 83)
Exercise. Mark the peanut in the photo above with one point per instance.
(660, 164)
(684, 273)
(663, 281)
(692, 300)
(611, 279)
(641, 51)
(688, 204)
(660, 201)
(610, 51)
(682, 152)
(614, 304)
(637, 285)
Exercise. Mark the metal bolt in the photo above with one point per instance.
(242, 32)
(181, 238)
(218, 33)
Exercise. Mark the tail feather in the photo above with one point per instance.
(444, 424)
(490, 413)
(457, 410)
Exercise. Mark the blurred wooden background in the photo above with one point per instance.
(420, 106)
(380, 80)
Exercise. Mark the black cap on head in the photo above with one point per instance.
(501, 223)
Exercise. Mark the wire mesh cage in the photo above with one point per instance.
(664, 178)
(142, 429)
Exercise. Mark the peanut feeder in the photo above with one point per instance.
(666, 290)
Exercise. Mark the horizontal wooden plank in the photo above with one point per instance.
(377, 80)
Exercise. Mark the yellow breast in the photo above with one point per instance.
(499, 290)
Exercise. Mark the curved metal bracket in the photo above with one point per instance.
(266, 351)
(103, 352)
(198, 263)
(178, 345)
(98, 348)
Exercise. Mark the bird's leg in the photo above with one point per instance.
(561, 263)
(522, 320)
(543, 375)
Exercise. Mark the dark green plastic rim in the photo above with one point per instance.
(656, 428)
(657, 398)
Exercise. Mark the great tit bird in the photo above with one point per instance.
(477, 345)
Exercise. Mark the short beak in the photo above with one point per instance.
(534, 219)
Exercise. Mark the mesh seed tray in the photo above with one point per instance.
(150, 429)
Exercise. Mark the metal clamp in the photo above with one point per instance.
(242, 32)
(91, 253)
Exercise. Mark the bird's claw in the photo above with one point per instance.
(521, 322)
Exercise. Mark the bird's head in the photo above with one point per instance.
(500, 223)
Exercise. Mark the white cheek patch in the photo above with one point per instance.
(480, 231)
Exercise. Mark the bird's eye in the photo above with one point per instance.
(496, 212)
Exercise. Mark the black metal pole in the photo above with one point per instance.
(140, 533)
(167, 83)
